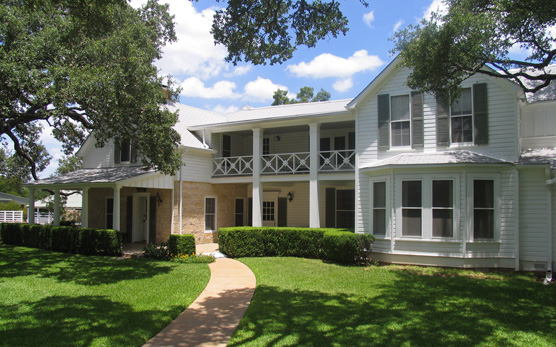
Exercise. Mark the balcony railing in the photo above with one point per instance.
(337, 161)
(285, 163)
(233, 166)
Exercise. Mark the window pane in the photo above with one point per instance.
(442, 193)
(209, 222)
(239, 205)
(400, 134)
(411, 193)
(379, 221)
(125, 150)
(110, 205)
(483, 224)
(463, 104)
(345, 200)
(442, 223)
(210, 205)
(411, 222)
(400, 107)
(345, 219)
(379, 194)
(483, 194)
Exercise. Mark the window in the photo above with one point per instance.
(226, 146)
(239, 214)
(268, 210)
(379, 208)
(125, 151)
(483, 209)
(462, 118)
(442, 208)
(110, 213)
(345, 209)
(411, 208)
(400, 121)
(266, 145)
(210, 214)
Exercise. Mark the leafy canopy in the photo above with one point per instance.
(269, 31)
(477, 37)
(305, 95)
(85, 67)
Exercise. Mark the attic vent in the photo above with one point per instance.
(539, 266)
(246, 108)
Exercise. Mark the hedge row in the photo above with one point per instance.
(181, 244)
(331, 244)
(66, 239)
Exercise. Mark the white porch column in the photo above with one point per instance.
(85, 208)
(257, 185)
(116, 215)
(314, 135)
(31, 212)
(56, 207)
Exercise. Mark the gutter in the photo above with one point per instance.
(549, 184)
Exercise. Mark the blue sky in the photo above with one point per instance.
(342, 66)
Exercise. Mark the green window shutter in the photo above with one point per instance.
(417, 126)
(330, 208)
(480, 116)
(128, 219)
(152, 220)
(383, 121)
(117, 152)
(442, 125)
(282, 212)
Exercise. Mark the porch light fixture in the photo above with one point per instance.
(290, 196)
(158, 199)
(277, 138)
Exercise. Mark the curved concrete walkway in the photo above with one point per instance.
(214, 316)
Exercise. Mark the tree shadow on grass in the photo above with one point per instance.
(411, 310)
(79, 321)
(79, 269)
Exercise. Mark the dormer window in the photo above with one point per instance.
(462, 118)
(124, 152)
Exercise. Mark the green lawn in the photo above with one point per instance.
(304, 302)
(56, 299)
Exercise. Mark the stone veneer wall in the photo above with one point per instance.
(193, 214)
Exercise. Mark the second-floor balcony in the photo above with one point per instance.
(285, 163)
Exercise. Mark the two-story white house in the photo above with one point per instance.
(466, 185)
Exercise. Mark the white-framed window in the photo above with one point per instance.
(380, 206)
(125, 152)
(210, 214)
(400, 121)
(483, 192)
(109, 217)
(461, 118)
(268, 210)
(427, 206)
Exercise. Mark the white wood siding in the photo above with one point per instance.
(538, 123)
(198, 167)
(290, 143)
(99, 157)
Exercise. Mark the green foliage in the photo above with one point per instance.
(181, 244)
(86, 68)
(66, 239)
(347, 248)
(305, 95)
(477, 37)
(193, 258)
(15, 170)
(269, 31)
(158, 252)
(68, 164)
(14, 206)
(296, 242)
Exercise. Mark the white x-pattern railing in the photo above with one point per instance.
(337, 161)
(233, 166)
(286, 163)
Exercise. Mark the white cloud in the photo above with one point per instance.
(329, 65)
(368, 18)
(194, 54)
(438, 6)
(194, 87)
(239, 71)
(261, 90)
(398, 25)
(343, 85)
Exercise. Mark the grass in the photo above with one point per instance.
(306, 302)
(57, 299)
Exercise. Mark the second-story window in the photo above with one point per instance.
(400, 121)
(266, 145)
(125, 151)
(461, 117)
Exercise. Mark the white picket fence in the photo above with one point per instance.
(11, 217)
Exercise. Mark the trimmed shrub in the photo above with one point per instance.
(341, 245)
(346, 247)
(159, 252)
(181, 244)
(63, 238)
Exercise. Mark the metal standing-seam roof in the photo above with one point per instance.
(539, 156)
(91, 176)
(436, 158)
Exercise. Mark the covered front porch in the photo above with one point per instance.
(129, 199)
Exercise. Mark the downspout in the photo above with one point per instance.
(518, 224)
(549, 184)
(181, 199)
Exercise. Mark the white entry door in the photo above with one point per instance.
(140, 219)
(270, 209)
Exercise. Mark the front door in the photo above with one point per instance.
(140, 224)
(270, 209)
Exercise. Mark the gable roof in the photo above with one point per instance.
(94, 176)
(5, 198)
(190, 116)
